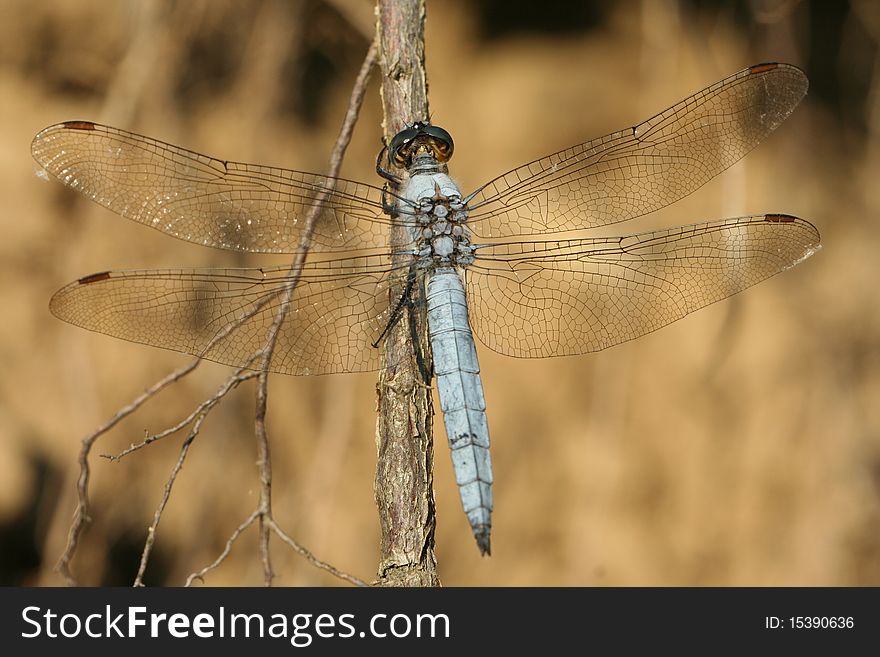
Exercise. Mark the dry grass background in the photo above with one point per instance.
(740, 446)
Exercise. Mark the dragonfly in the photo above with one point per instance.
(507, 263)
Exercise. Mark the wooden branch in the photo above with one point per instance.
(404, 473)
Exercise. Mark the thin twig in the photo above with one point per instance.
(199, 416)
(81, 514)
(263, 453)
(166, 495)
(311, 558)
(226, 550)
(201, 410)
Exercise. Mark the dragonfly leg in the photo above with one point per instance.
(397, 312)
(417, 345)
(387, 207)
(406, 302)
(385, 173)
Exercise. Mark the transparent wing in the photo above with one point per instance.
(227, 205)
(337, 312)
(538, 299)
(641, 169)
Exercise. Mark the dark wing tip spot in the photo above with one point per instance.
(94, 278)
(78, 125)
(763, 67)
(779, 218)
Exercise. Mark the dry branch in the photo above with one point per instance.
(404, 473)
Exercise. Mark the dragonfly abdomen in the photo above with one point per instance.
(461, 398)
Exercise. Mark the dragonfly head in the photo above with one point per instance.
(421, 138)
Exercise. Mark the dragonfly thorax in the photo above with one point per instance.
(439, 216)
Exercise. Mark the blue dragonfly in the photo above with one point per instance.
(501, 262)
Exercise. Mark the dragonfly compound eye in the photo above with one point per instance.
(420, 138)
(400, 148)
(441, 142)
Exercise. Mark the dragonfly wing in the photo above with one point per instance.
(643, 168)
(336, 313)
(200, 199)
(555, 298)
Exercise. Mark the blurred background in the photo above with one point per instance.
(739, 446)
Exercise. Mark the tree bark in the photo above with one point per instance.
(404, 474)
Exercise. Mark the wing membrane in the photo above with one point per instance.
(228, 205)
(641, 169)
(556, 298)
(337, 311)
